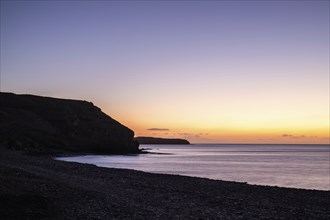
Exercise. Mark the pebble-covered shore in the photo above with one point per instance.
(39, 187)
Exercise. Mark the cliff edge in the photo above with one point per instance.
(46, 125)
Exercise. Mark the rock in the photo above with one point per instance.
(154, 140)
(44, 125)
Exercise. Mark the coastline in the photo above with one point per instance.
(35, 187)
(301, 167)
(62, 157)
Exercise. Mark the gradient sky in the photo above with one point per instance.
(208, 71)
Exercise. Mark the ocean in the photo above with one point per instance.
(294, 166)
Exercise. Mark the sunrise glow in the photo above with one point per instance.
(194, 70)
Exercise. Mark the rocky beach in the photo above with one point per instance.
(39, 187)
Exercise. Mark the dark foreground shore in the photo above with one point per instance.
(35, 187)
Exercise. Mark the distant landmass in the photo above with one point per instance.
(156, 140)
(45, 125)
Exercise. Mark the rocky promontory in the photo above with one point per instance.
(156, 140)
(47, 125)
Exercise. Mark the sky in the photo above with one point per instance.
(206, 71)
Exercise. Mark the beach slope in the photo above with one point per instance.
(39, 187)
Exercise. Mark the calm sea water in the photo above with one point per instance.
(298, 166)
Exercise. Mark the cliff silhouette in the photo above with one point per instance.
(46, 125)
(156, 140)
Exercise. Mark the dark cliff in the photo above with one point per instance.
(154, 140)
(44, 124)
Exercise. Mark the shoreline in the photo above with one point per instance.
(282, 176)
(35, 187)
(180, 175)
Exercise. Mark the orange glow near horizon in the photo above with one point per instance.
(256, 116)
(273, 132)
